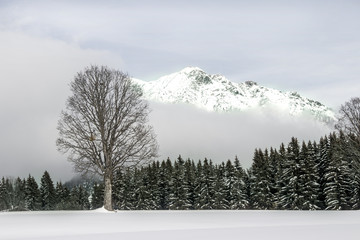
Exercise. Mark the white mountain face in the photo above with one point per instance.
(216, 93)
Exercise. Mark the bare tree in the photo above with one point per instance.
(104, 126)
(349, 123)
(349, 117)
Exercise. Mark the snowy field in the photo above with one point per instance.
(219, 225)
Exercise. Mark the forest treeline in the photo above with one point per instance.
(300, 176)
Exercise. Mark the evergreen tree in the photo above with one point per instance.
(323, 164)
(198, 185)
(124, 189)
(164, 182)
(236, 194)
(207, 182)
(153, 185)
(62, 194)
(190, 183)
(79, 198)
(84, 198)
(337, 180)
(141, 190)
(178, 195)
(309, 181)
(231, 190)
(350, 168)
(260, 181)
(4, 195)
(47, 192)
(242, 196)
(74, 198)
(117, 192)
(19, 194)
(10, 193)
(280, 166)
(128, 201)
(274, 173)
(97, 197)
(290, 195)
(32, 194)
(247, 192)
(220, 201)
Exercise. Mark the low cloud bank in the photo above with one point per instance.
(196, 134)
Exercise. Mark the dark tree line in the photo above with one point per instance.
(182, 185)
(28, 195)
(306, 176)
(300, 176)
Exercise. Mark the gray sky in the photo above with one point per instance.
(312, 47)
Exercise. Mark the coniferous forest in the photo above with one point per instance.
(321, 175)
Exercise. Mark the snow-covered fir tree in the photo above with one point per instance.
(207, 182)
(220, 201)
(178, 188)
(310, 182)
(19, 194)
(47, 192)
(290, 195)
(97, 197)
(260, 193)
(141, 190)
(164, 184)
(153, 178)
(79, 198)
(4, 195)
(32, 194)
(190, 183)
(236, 192)
(337, 177)
(62, 194)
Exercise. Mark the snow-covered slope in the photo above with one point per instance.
(216, 93)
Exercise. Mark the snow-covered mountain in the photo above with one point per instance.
(216, 93)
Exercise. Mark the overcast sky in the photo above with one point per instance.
(312, 47)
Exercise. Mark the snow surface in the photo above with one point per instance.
(100, 224)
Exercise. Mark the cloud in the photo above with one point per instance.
(308, 46)
(196, 134)
(290, 46)
(34, 88)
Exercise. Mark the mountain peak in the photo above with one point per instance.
(188, 70)
(215, 93)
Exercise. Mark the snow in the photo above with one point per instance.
(218, 94)
(101, 224)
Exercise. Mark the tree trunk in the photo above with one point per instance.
(108, 193)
